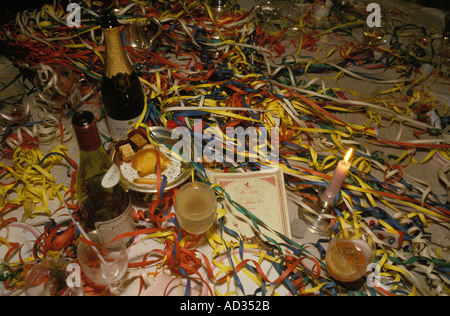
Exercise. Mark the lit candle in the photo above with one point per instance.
(337, 179)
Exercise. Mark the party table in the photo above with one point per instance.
(308, 75)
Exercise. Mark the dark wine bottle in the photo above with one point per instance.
(102, 194)
(122, 94)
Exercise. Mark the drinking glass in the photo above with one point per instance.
(442, 59)
(142, 33)
(103, 260)
(14, 104)
(48, 278)
(321, 10)
(277, 15)
(195, 207)
(57, 85)
(349, 254)
(268, 15)
(379, 35)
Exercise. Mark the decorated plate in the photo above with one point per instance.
(176, 173)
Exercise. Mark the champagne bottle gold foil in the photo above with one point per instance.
(116, 60)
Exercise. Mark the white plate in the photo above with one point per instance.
(178, 171)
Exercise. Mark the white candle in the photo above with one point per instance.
(338, 178)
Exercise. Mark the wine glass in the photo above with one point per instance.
(378, 35)
(57, 85)
(268, 15)
(321, 10)
(48, 278)
(351, 251)
(442, 59)
(278, 15)
(102, 259)
(14, 104)
(142, 33)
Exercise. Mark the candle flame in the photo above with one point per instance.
(348, 155)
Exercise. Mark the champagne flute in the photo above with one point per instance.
(349, 254)
(102, 259)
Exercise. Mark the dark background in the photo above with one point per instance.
(440, 4)
(8, 8)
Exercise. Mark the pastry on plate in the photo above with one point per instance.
(145, 161)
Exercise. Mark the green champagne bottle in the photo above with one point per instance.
(122, 93)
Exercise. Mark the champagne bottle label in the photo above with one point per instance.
(124, 223)
(111, 177)
(119, 129)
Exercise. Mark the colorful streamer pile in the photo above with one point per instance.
(230, 73)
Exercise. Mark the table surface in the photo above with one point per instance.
(411, 164)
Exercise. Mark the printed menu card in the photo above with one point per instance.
(263, 194)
